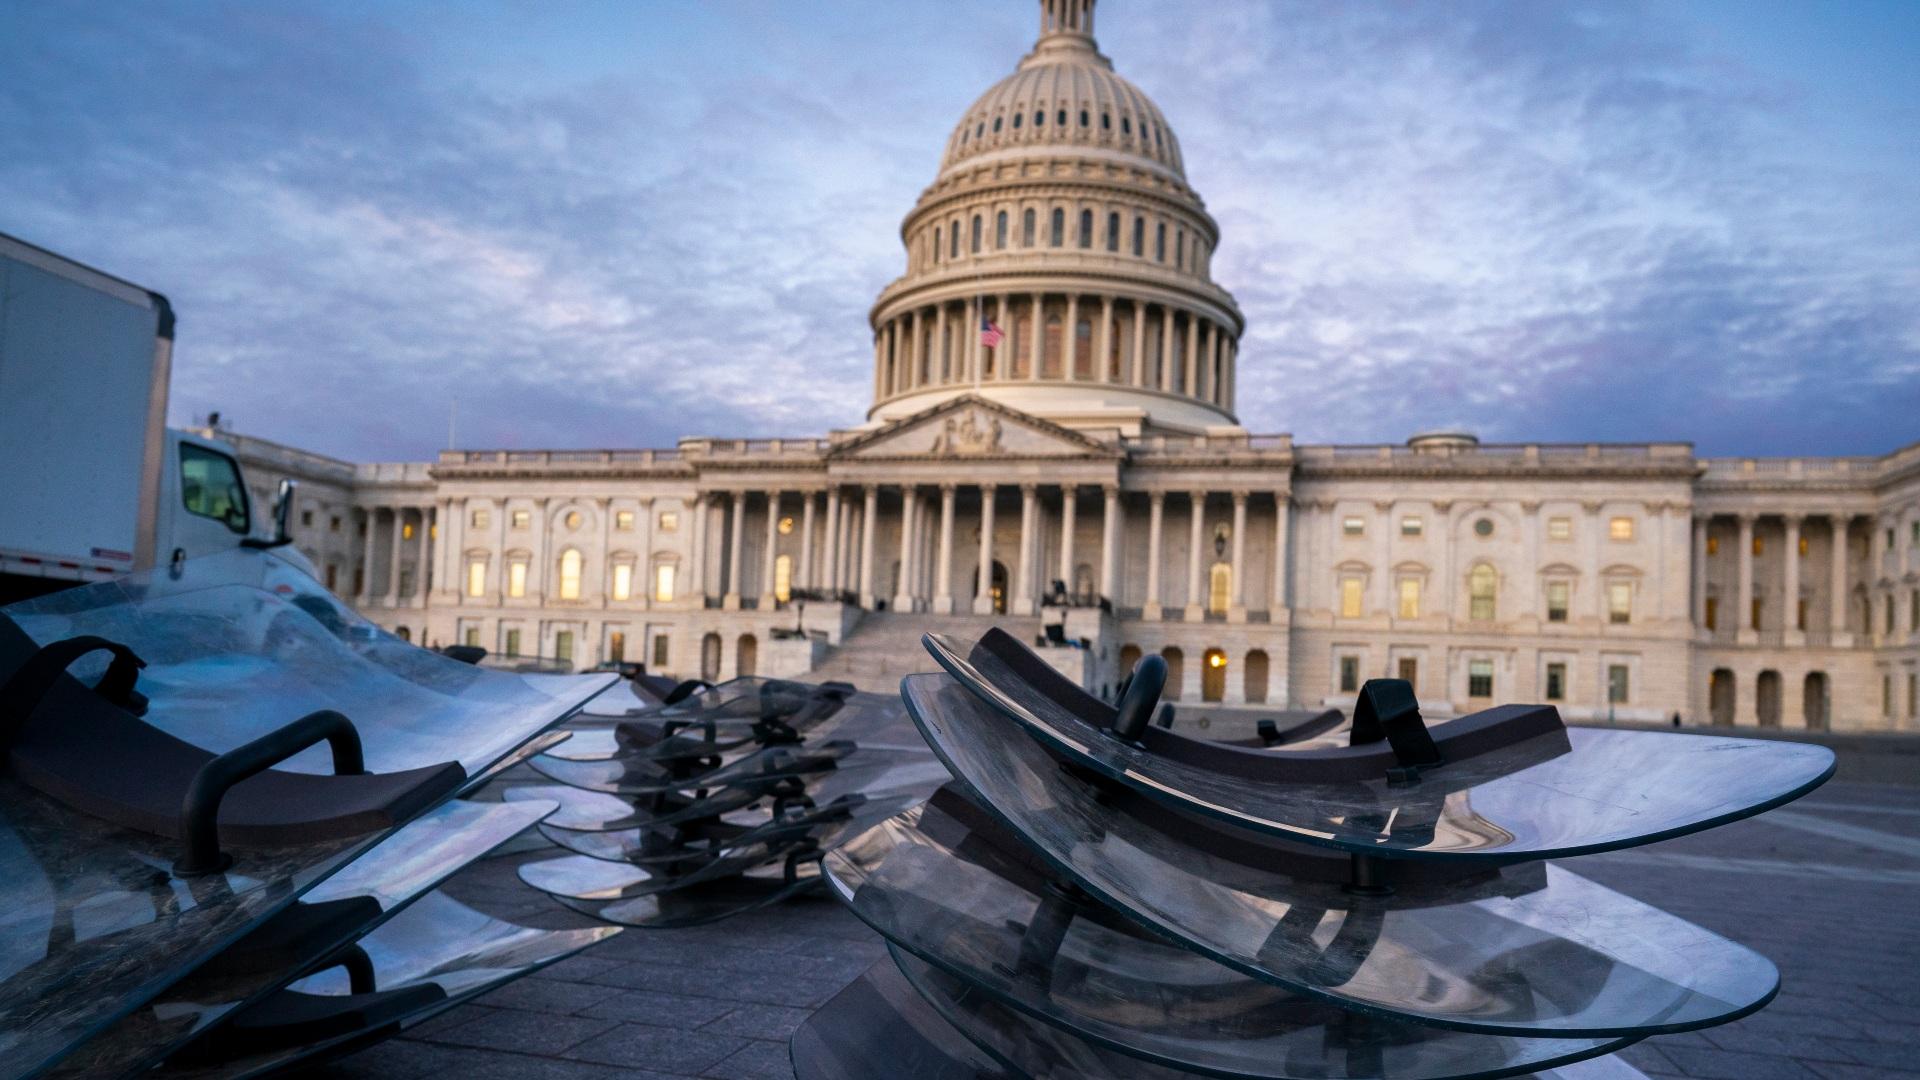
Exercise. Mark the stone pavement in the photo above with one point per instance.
(1828, 887)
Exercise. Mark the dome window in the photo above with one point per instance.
(1139, 237)
(1086, 228)
(953, 248)
(1180, 249)
(1059, 227)
(1160, 243)
(996, 125)
(1061, 119)
(1016, 121)
(1085, 119)
(1039, 118)
(981, 130)
(976, 234)
(1106, 121)
(1026, 229)
(1113, 232)
(1126, 126)
(1000, 232)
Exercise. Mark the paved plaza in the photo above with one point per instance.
(1829, 888)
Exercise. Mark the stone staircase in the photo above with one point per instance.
(885, 647)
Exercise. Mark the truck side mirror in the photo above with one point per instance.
(282, 515)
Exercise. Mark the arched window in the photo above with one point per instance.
(1106, 121)
(1084, 118)
(746, 656)
(1126, 126)
(1016, 121)
(1026, 228)
(1139, 236)
(976, 234)
(1083, 350)
(1176, 671)
(403, 633)
(1160, 243)
(570, 575)
(934, 246)
(1039, 117)
(1061, 119)
(1059, 231)
(1022, 338)
(1180, 249)
(953, 248)
(1086, 228)
(996, 125)
(1256, 677)
(710, 657)
(1213, 676)
(1480, 586)
(982, 129)
(1053, 351)
(1000, 232)
(1113, 232)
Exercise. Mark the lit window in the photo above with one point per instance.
(616, 646)
(1759, 545)
(1480, 592)
(512, 643)
(573, 519)
(1409, 598)
(406, 530)
(563, 645)
(477, 577)
(1559, 528)
(623, 520)
(1483, 527)
(669, 521)
(786, 525)
(1713, 545)
(1713, 612)
(570, 575)
(623, 581)
(1803, 545)
(1480, 679)
(1350, 598)
(663, 582)
(1619, 602)
(1556, 682)
(1616, 684)
(1349, 673)
(1412, 526)
(783, 577)
(1620, 528)
(522, 519)
(1354, 526)
(1557, 592)
(516, 578)
(478, 519)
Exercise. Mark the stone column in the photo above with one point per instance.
(1039, 336)
(1110, 526)
(1700, 526)
(1210, 359)
(1196, 536)
(1878, 527)
(803, 573)
(1023, 589)
(393, 556)
(444, 546)
(1156, 512)
(1790, 584)
(1103, 341)
(868, 515)
(365, 591)
(1277, 603)
(941, 362)
(1003, 361)
(1743, 615)
(1192, 373)
(643, 560)
(422, 577)
(943, 580)
(1837, 565)
(1068, 497)
(983, 591)
(1237, 602)
(1166, 348)
(830, 557)
(771, 554)
(917, 353)
(542, 550)
(1070, 341)
(903, 598)
(734, 544)
(1137, 363)
(697, 553)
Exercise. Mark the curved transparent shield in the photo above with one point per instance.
(879, 1028)
(1613, 789)
(1524, 950)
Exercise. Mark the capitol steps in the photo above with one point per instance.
(885, 647)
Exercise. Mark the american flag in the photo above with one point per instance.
(990, 335)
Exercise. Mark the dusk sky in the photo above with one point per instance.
(612, 225)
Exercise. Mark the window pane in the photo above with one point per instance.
(1559, 528)
(1481, 590)
(1480, 678)
(1409, 598)
(522, 518)
(1620, 528)
(477, 578)
(1349, 673)
(663, 582)
(669, 521)
(616, 646)
(563, 645)
(1620, 602)
(622, 582)
(570, 575)
(1617, 684)
(1556, 601)
(517, 579)
(210, 487)
(1556, 682)
(1350, 598)
(1411, 526)
(783, 578)
(660, 650)
(1354, 526)
(473, 636)
(513, 643)
(623, 520)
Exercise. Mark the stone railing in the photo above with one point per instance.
(559, 457)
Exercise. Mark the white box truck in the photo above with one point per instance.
(93, 484)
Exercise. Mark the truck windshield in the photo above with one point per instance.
(210, 486)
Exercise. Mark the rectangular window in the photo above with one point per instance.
(1889, 610)
(1913, 694)
(333, 577)
(1556, 682)
(522, 519)
(1559, 528)
(1713, 612)
(563, 645)
(1354, 526)
(516, 579)
(1803, 546)
(623, 581)
(1913, 612)
(478, 519)
(1713, 545)
(660, 651)
(623, 520)
(1557, 592)
(473, 636)
(1759, 545)
(1800, 616)
(477, 577)
(616, 646)
(1350, 598)
(306, 519)
(570, 570)
(1409, 598)
(1620, 528)
(333, 523)
(513, 643)
(669, 521)
(406, 530)
(1411, 526)
(1758, 606)
(1616, 684)
(1480, 678)
(1886, 695)
(1410, 671)
(1349, 674)
(663, 582)
(1620, 602)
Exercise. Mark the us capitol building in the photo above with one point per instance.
(1097, 447)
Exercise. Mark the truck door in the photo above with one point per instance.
(207, 508)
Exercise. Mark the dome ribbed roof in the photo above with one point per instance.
(1065, 95)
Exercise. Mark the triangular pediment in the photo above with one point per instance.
(970, 427)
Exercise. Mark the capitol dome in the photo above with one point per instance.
(1061, 217)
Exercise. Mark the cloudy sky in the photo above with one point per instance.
(614, 224)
